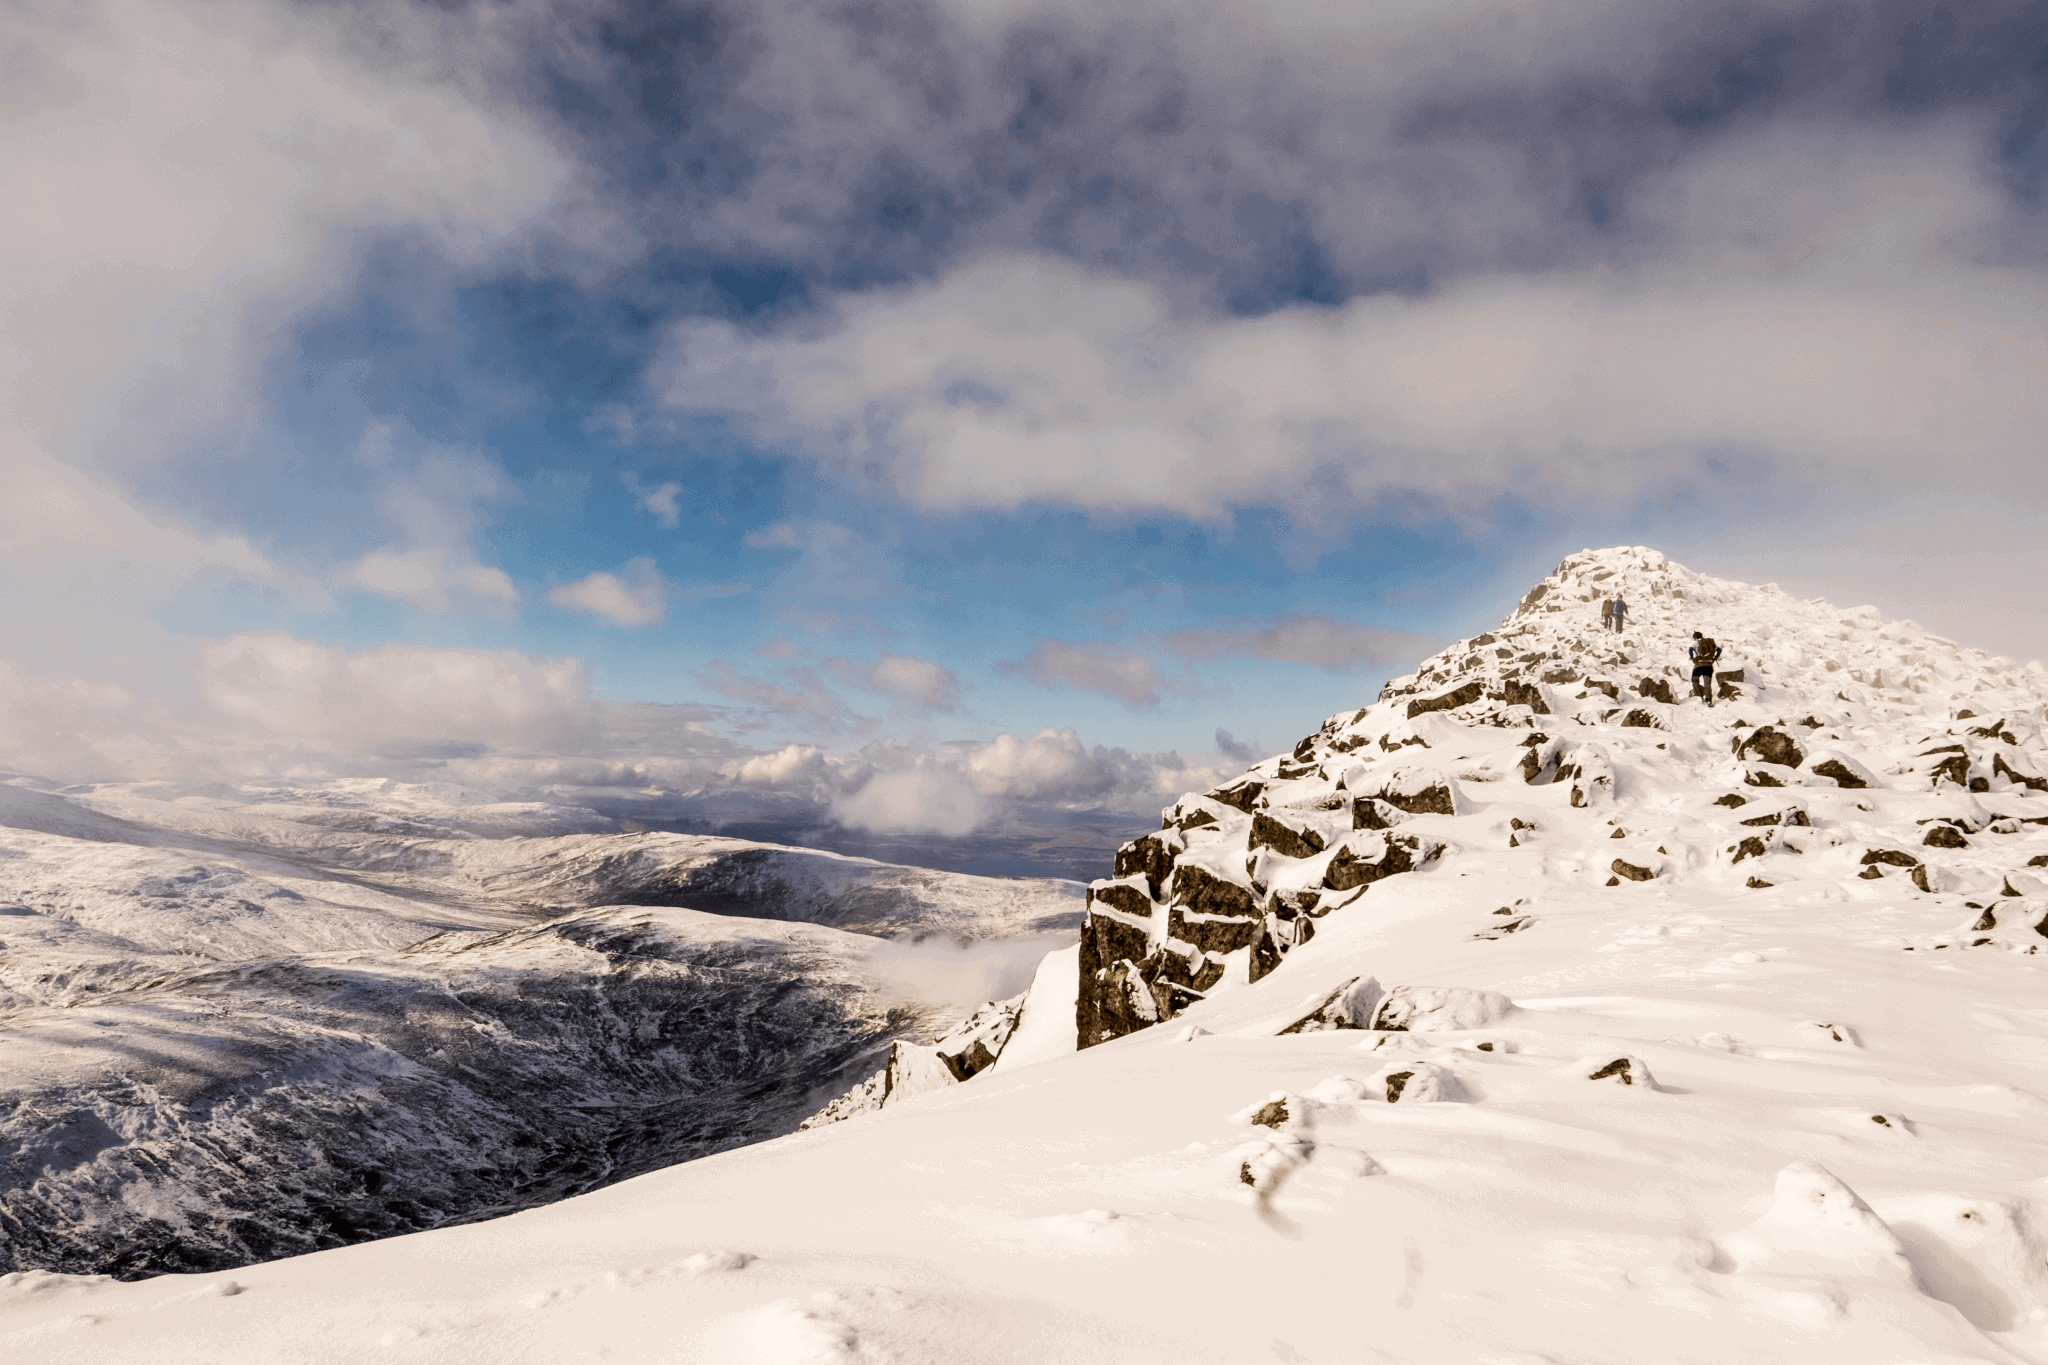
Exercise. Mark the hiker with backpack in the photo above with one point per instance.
(1607, 613)
(1618, 609)
(1704, 655)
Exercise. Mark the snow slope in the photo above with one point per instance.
(1674, 1117)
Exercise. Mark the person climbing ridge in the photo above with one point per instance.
(1620, 610)
(1704, 655)
(1607, 613)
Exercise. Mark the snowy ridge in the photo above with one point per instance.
(196, 994)
(1806, 697)
(1674, 1034)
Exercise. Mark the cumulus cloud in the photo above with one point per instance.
(925, 798)
(398, 694)
(637, 597)
(911, 683)
(425, 578)
(1091, 665)
(1300, 637)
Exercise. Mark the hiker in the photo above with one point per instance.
(1704, 655)
(1618, 609)
(1607, 614)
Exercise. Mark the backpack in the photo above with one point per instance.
(1707, 651)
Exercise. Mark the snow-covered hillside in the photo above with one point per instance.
(1524, 1015)
(234, 1030)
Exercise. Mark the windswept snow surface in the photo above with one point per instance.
(232, 1030)
(1679, 1118)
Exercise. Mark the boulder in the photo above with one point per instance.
(2001, 768)
(1731, 800)
(1150, 856)
(1890, 856)
(978, 1042)
(1440, 1009)
(1640, 719)
(1449, 701)
(1114, 1000)
(1623, 868)
(1242, 795)
(1349, 1006)
(1420, 791)
(1628, 1071)
(1283, 839)
(1516, 693)
(1363, 862)
(1843, 770)
(1955, 768)
(1944, 836)
(1201, 891)
(1106, 940)
(1122, 897)
(1418, 1083)
(1220, 934)
(1369, 812)
(1771, 745)
(1656, 689)
(1271, 1114)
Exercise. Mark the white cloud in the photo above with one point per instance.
(188, 175)
(789, 765)
(659, 502)
(1820, 299)
(1092, 665)
(638, 597)
(328, 698)
(925, 798)
(426, 577)
(911, 683)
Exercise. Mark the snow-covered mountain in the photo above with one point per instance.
(1533, 1012)
(239, 1030)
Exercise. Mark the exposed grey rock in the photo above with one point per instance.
(1285, 840)
(1363, 863)
(1449, 701)
(1771, 745)
(1151, 856)
(1633, 873)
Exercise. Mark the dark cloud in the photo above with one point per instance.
(1256, 157)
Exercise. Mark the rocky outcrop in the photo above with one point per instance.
(1449, 701)
(1770, 745)
(1361, 862)
(962, 1054)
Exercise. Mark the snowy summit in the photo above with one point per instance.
(1536, 1011)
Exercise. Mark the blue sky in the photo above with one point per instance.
(769, 407)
